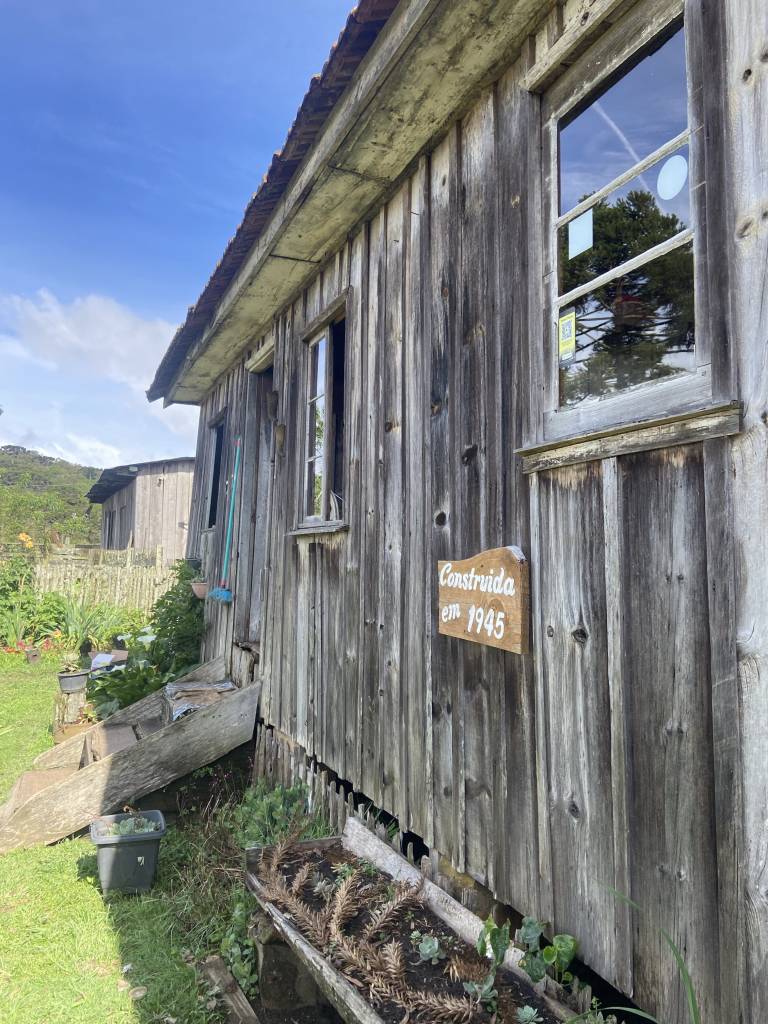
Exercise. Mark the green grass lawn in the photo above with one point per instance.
(27, 693)
(66, 953)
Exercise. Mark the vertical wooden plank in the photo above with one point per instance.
(471, 458)
(415, 612)
(726, 724)
(516, 836)
(575, 666)
(391, 739)
(667, 686)
(447, 737)
(544, 838)
(355, 509)
(619, 767)
(373, 500)
(245, 541)
(746, 137)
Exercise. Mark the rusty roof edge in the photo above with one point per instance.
(325, 90)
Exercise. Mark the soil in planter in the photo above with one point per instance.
(324, 872)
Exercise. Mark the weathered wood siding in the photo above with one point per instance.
(152, 511)
(614, 756)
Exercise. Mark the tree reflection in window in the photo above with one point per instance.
(639, 326)
(630, 234)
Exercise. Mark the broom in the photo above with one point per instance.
(222, 592)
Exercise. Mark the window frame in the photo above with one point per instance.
(218, 428)
(322, 327)
(620, 48)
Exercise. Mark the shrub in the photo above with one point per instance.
(177, 621)
(266, 815)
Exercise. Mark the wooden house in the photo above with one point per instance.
(506, 284)
(146, 506)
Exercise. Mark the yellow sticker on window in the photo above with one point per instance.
(566, 336)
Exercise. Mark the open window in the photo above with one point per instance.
(323, 495)
(213, 496)
(628, 285)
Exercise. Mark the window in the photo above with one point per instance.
(324, 458)
(624, 302)
(213, 500)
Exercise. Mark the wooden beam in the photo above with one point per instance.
(104, 786)
(639, 437)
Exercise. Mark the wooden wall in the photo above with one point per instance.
(616, 754)
(153, 510)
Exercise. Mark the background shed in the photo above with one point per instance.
(146, 505)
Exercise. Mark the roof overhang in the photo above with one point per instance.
(429, 61)
(117, 477)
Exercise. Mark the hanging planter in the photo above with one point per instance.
(199, 588)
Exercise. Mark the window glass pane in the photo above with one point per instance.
(315, 488)
(316, 428)
(647, 107)
(317, 370)
(645, 211)
(637, 328)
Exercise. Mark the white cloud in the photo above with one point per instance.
(95, 334)
(85, 400)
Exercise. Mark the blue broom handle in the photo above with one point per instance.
(231, 517)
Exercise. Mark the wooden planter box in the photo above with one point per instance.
(343, 996)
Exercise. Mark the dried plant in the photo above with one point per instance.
(442, 1009)
(459, 969)
(346, 903)
(406, 897)
(301, 879)
(393, 962)
(314, 925)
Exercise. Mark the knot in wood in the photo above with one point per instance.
(441, 518)
(573, 810)
(469, 454)
(747, 75)
(745, 228)
(550, 631)
(580, 635)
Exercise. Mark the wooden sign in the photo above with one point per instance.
(485, 599)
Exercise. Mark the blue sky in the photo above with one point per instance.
(131, 138)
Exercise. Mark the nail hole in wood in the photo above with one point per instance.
(747, 75)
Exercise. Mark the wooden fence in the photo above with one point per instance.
(132, 579)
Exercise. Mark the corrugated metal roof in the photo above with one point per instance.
(113, 480)
(362, 27)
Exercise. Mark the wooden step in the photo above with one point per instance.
(127, 775)
(147, 726)
(30, 784)
(109, 739)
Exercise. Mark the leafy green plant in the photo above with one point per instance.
(528, 1015)
(178, 624)
(554, 958)
(238, 950)
(266, 815)
(15, 622)
(121, 687)
(136, 825)
(428, 948)
(492, 943)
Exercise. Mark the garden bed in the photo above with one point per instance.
(357, 915)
